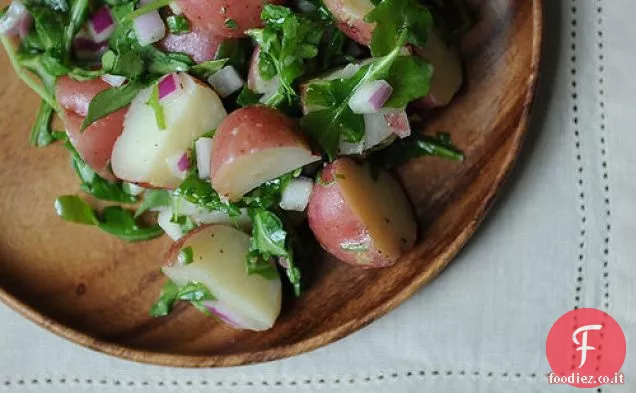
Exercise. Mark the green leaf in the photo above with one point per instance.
(111, 100)
(231, 24)
(153, 102)
(415, 146)
(41, 130)
(95, 185)
(248, 97)
(152, 199)
(201, 193)
(410, 78)
(268, 234)
(286, 43)
(392, 18)
(121, 223)
(195, 292)
(167, 298)
(50, 25)
(205, 70)
(178, 24)
(161, 63)
(74, 209)
(186, 256)
(126, 62)
(78, 15)
(256, 264)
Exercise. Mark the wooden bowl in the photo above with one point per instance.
(96, 291)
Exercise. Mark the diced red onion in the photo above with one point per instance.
(370, 97)
(179, 164)
(170, 87)
(376, 129)
(149, 28)
(114, 80)
(87, 49)
(283, 262)
(13, 18)
(226, 81)
(204, 156)
(398, 122)
(24, 27)
(101, 25)
(296, 194)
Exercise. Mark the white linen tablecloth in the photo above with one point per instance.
(562, 235)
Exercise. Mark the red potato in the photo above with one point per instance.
(448, 73)
(254, 145)
(212, 15)
(95, 144)
(359, 220)
(200, 44)
(349, 15)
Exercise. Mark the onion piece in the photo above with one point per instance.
(101, 25)
(170, 87)
(207, 217)
(370, 97)
(11, 20)
(203, 147)
(226, 81)
(179, 164)
(173, 230)
(149, 28)
(296, 195)
(86, 49)
(398, 122)
(133, 189)
(114, 80)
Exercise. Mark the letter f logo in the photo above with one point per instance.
(583, 344)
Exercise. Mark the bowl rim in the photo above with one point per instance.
(311, 343)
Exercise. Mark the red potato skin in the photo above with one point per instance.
(200, 44)
(356, 29)
(211, 15)
(249, 130)
(334, 223)
(95, 144)
(253, 72)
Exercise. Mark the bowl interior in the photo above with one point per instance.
(96, 290)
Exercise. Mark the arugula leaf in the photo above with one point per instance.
(248, 97)
(41, 130)
(74, 209)
(161, 63)
(238, 52)
(125, 62)
(195, 292)
(95, 185)
(415, 146)
(77, 17)
(121, 223)
(167, 298)
(186, 256)
(205, 70)
(201, 193)
(153, 102)
(153, 198)
(410, 77)
(392, 17)
(111, 100)
(113, 219)
(270, 239)
(50, 25)
(286, 43)
(178, 24)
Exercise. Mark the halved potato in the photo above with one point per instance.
(349, 15)
(360, 220)
(141, 154)
(243, 301)
(254, 145)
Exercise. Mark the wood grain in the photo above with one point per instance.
(95, 290)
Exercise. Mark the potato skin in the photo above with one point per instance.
(95, 144)
(333, 223)
(249, 130)
(351, 20)
(363, 222)
(212, 14)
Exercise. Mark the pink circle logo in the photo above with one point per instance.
(586, 348)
